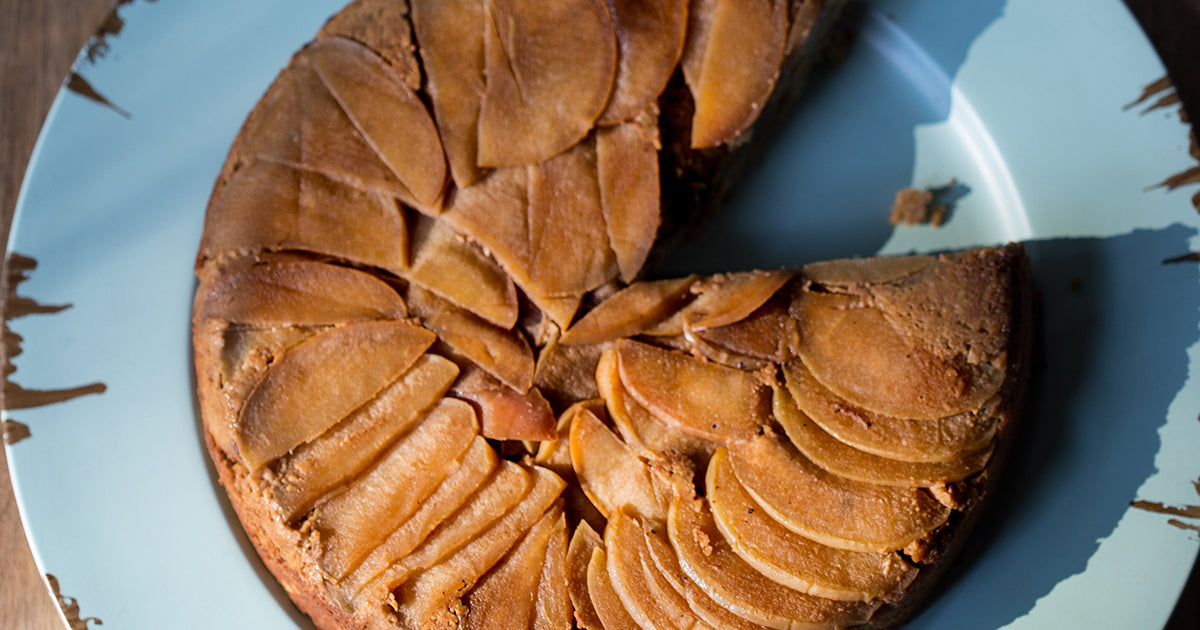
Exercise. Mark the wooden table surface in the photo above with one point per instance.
(38, 42)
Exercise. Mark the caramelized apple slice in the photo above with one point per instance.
(629, 311)
(381, 25)
(460, 273)
(708, 559)
(306, 392)
(723, 300)
(439, 585)
(552, 608)
(564, 373)
(639, 427)
(648, 606)
(506, 414)
(450, 33)
(667, 563)
(699, 398)
(938, 440)
(865, 271)
(830, 509)
(358, 519)
(502, 353)
(841, 459)
(548, 72)
(568, 239)
(743, 54)
(298, 294)
(432, 535)
(351, 224)
(608, 471)
(494, 212)
(584, 542)
(767, 334)
(650, 38)
(794, 560)
(853, 350)
(270, 130)
(608, 604)
(499, 600)
(316, 467)
(388, 113)
(630, 192)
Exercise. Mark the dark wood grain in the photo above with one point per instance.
(39, 40)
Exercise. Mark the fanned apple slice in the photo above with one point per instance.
(707, 558)
(441, 584)
(865, 271)
(629, 311)
(609, 608)
(382, 25)
(630, 190)
(625, 546)
(388, 113)
(432, 535)
(349, 223)
(504, 598)
(699, 398)
(298, 294)
(357, 520)
(548, 71)
(494, 212)
(564, 373)
(846, 461)
(608, 471)
(650, 37)
(339, 454)
(506, 414)
(791, 559)
(724, 299)
(667, 563)
(305, 392)
(568, 240)
(743, 53)
(552, 607)
(460, 273)
(830, 509)
(767, 334)
(583, 543)
(502, 353)
(270, 130)
(637, 426)
(939, 440)
(854, 351)
(450, 34)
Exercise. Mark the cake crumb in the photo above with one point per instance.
(914, 207)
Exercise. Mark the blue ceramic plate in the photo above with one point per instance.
(1021, 104)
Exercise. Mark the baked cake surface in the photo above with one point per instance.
(438, 395)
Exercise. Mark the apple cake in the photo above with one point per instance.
(440, 392)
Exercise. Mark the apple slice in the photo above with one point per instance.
(391, 117)
(865, 271)
(846, 461)
(724, 299)
(317, 467)
(707, 558)
(504, 598)
(430, 536)
(609, 608)
(854, 350)
(703, 399)
(459, 272)
(767, 334)
(743, 55)
(494, 212)
(639, 427)
(630, 191)
(502, 353)
(506, 414)
(608, 471)
(298, 294)
(349, 223)
(793, 560)
(830, 509)
(650, 37)
(667, 563)
(357, 520)
(564, 373)
(649, 604)
(306, 391)
(584, 542)
(381, 25)
(552, 608)
(629, 311)
(441, 584)
(548, 72)
(939, 440)
(568, 239)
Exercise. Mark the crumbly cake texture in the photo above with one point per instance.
(438, 394)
